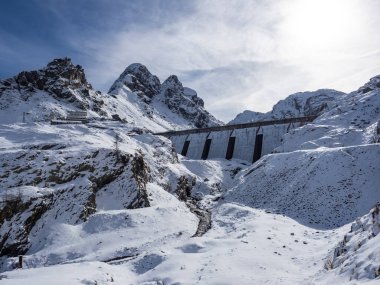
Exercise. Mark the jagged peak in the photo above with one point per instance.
(178, 99)
(138, 79)
(57, 69)
(172, 83)
(172, 79)
(63, 62)
(136, 67)
(372, 84)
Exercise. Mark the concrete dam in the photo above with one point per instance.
(247, 141)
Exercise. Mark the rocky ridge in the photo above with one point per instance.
(311, 103)
(352, 120)
(137, 98)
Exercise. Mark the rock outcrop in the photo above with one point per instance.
(354, 256)
(372, 84)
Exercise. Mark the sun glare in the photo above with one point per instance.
(320, 24)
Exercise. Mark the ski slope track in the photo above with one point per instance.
(109, 202)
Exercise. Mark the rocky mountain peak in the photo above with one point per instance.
(138, 79)
(43, 91)
(59, 72)
(185, 102)
(247, 116)
(61, 63)
(372, 84)
(151, 94)
(310, 103)
(64, 68)
(172, 85)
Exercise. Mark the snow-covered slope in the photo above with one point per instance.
(353, 121)
(71, 190)
(102, 203)
(322, 188)
(167, 101)
(296, 105)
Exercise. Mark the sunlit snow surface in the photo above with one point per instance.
(278, 221)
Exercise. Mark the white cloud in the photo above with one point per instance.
(246, 54)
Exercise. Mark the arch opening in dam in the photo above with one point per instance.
(248, 141)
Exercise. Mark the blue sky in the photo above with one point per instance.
(237, 54)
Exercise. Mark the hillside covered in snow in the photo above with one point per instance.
(108, 202)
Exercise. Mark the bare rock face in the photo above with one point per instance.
(347, 255)
(32, 210)
(61, 79)
(141, 176)
(139, 80)
(70, 184)
(189, 106)
(184, 188)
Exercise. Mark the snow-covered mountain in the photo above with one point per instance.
(169, 100)
(296, 105)
(102, 203)
(137, 98)
(352, 121)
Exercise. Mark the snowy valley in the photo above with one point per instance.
(109, 202)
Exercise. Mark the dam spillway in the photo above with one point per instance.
(248, 141)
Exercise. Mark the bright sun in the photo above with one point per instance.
(320, 24)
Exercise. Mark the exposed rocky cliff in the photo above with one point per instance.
(46, 93)
(139, 80)
(185, 103)
(48, 185)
